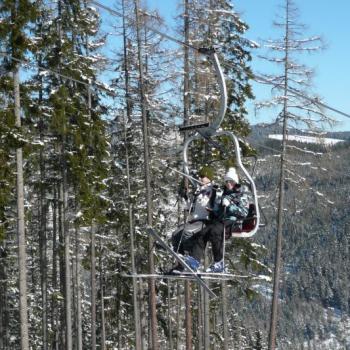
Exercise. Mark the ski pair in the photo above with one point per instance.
(193, 274)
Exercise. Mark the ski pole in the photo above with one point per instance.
(182, 173)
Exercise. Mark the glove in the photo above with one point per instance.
(225, 202)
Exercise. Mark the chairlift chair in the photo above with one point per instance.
(250, 225)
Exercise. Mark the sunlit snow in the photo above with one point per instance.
(307, 139)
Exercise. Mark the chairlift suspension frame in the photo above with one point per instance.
(211, 131)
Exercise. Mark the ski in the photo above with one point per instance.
(211, 274)
(159, 239)
(184, 276)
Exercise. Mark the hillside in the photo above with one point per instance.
(260, 132)
(315, 299)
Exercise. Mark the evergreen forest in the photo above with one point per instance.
(97, 100)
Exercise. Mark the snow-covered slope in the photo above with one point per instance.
(307, 139)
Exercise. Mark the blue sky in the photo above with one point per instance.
(328, 19)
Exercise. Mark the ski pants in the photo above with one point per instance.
(182, 238)
(213, 233)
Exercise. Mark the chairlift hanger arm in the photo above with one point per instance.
(214, 125)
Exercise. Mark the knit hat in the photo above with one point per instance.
(206, 171)
(231, 175)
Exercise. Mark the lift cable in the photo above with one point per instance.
(256, 77)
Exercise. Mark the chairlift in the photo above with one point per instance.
(251, 223)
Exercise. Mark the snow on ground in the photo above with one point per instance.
(338, 338)
(307, 139)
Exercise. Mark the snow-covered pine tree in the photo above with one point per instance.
(156, 78)
(294, 82)
(17, 18)
(72, 134)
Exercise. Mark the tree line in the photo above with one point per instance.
(89, 172)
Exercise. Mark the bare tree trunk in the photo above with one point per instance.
(61, 338)
(132, 253)
(186, 96)
(170, 323)
(74, 298)
(178, 318)
(152, 289)
(2, 301)
(93, 288)
(143, 313)
(67, 274)
(42, 211)
(54, 308)
(276, 278)
(200, 320)
(186, 100)
(206, 312)
(103, 322)
(42, 231)
(137, 324)
(22, 255)
(79, 336)
(188, 316)
(224, 310)
(66, 242)
(126, 66)
(43, 256)
(4, 319)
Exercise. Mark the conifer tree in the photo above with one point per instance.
(17, 17)
(154, 59)
(294, 82)
(66, 39)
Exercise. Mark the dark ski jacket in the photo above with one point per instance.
(237, 208)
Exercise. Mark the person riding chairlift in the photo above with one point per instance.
(226, 216)
(199, 216)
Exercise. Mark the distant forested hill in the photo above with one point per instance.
(315, 294)
(261, 131)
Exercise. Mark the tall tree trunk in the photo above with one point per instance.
(206, 315)
(132, 251)
(224, 310)
(186, 96)
(137, 324)
(278, 252)
(126, 66)
(102, 286)
(2, 299)
(178, 318)
(61, 341)
(170, 323)
(54, 306)
(188, 316)
(67, 271)
(186, 101)
(66, 243)
(22, 255)
(152, 289)
(79, 325)
(42, 231)
(64, 222)
(43, 255)
(4, 319)
(93, 263)
(200, 320)
(93, 288)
